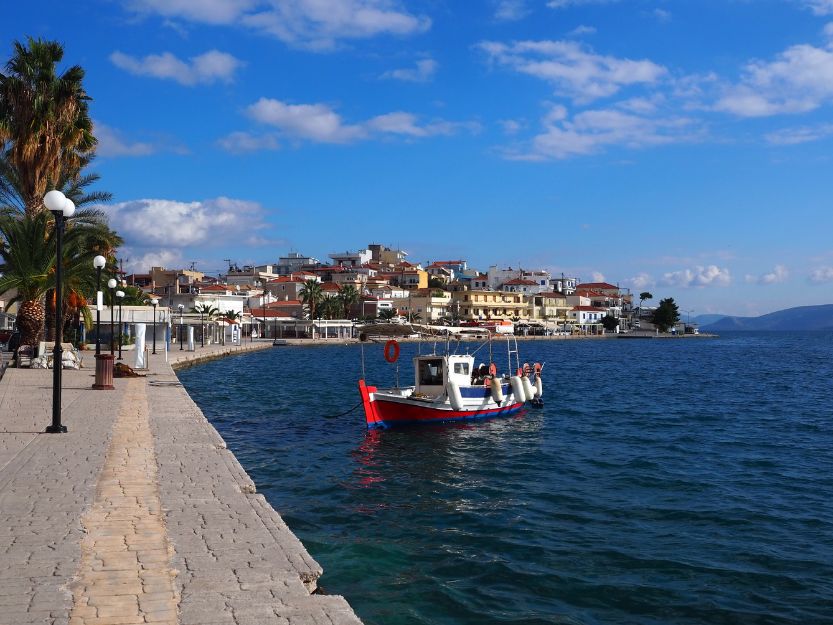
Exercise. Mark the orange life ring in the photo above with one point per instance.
(492, 369)
(537, 367)
(391, 351)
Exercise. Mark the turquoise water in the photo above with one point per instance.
(680, 481)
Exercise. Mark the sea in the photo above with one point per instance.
(680, 481)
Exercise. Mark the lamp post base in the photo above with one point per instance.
(103, 372)
(56, 429)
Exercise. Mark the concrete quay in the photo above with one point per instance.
(139, 514)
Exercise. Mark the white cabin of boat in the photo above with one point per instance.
(432, 373)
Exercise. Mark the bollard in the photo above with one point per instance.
(103, 372)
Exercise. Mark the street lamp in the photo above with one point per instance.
(98, 263)
(61, 207)
(154, 302)
(181, 307)
(120, 297)
(112, 284)
(202, 328)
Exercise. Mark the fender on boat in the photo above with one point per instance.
(517, 388)
(454, 395)
(529, 390)
(370, 415)
(497, 391)
(539, 386)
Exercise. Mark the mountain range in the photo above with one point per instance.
(799, 318)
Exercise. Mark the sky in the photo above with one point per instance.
(680, 147)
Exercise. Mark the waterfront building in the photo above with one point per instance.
(426, 305)
(564, 284)
(497, 277)
(473, 305)
(285, 287)
(587, 319)
(519, 285)
(551, 306)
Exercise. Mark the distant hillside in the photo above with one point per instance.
(800, 318)
(704, 320)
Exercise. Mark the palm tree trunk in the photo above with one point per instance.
(30, 318)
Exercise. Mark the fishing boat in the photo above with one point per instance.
(449, 387)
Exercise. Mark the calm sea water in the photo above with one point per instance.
(683, 481)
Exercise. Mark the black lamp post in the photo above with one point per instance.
(154, 302)
(112, 284)
(61, 207)
(181, 346)
(98, 263)
(120, 297)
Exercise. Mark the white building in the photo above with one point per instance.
(351, 259)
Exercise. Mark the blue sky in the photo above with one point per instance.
(680, 147)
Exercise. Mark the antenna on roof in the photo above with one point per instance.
(228, 260)
(193, 265)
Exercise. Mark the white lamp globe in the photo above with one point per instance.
(119, 294)
(99, 262)
(69, 208)
(180, 306)
(112, 283)
(54, 200)
(154, 302)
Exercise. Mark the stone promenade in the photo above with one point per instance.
(139, 514)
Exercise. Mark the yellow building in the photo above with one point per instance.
(549, 307)
(479, 304)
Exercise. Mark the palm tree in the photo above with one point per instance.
(28, 260)
(387, 314)
(44, 119)
(311, 295)
(206, 310)
(348, 294)
(230, 317)
(330, 308)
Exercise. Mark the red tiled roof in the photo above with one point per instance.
(285, 279)
(448, 262)
(214, 287)
(596, 285)
(329, 286)
(284, 303)
(520, 281)
(588, 308)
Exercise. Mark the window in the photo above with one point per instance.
(461, 367)
(431, 372)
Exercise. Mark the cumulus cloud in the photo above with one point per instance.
(779, 274)
(111, 143)
(821, 275)
(423, 72)
(574, 70)
(138, 261)
(798, 80)
(206, 68)
(641, 281)
(820, 7)
(315, 24)
(243, 142)
(699, 276)
(662, 15)
(510, 10)
(564, 4)
(321, 124)
(597, 276)
(166, 224)
(590, 131)
(579, 31)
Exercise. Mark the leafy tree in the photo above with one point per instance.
(387, 314)
(610, 323)
(311, 295)
(45, 127)
(435, 283)
(666, 315)
(348, 295)
(134, 296)
(231, 316)
(643, 296)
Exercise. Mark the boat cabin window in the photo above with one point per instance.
(431, 372)
(461, 367)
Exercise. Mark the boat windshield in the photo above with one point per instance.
(431, 372)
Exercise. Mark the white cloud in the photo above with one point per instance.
(111, 143)
(698, 276)
(590, 131)
(662, 15)
(820, 7)
(597, 276)
(423, 72)
(828, 30)
(511, 126)
(821, 275)
(203, 69)
(563, 4)
(578, 31)
(801, 134)
(800, 79)
(242, 142)
(315, 24)
(779, 274)
(321, 124)
(510, 10)
(158, 223)
(138, 261)
(574, 70)
(641, 281)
